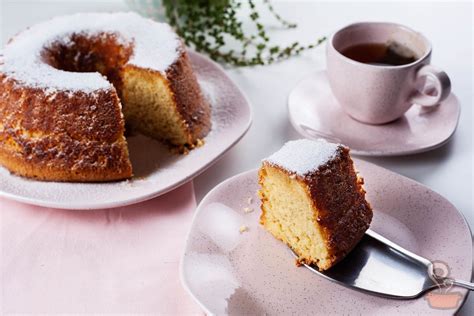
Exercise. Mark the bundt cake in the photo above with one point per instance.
(68, 85)
(313, 200)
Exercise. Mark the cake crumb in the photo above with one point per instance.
(293, 176)
(126, 182)
(248, 210)
(139, 178)
(243, 229)
(200, 142)
(249, 200)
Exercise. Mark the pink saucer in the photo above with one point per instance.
(251, 273)
(315, 113)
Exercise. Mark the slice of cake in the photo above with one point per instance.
(313, 200)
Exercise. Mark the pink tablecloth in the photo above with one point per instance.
(122, 260)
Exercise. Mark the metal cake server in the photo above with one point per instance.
(381, 267)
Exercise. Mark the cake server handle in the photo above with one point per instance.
(399, 248)
(464, 284)
(445, 282)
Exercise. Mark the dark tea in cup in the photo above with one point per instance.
(380, 54)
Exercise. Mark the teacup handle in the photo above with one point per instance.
(442, 85)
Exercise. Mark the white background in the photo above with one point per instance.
(449, 25)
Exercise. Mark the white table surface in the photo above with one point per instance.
(447, 170)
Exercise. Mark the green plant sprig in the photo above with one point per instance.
(206, 24)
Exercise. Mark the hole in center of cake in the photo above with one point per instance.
(102, 53)
(149, 106)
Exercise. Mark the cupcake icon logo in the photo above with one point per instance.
(443, 297)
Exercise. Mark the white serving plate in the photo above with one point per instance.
(156, 169)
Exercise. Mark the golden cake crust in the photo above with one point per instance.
(193, 108)
(344, 216)
(65, 137)
(339, 204)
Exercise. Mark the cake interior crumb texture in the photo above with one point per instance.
(289, 216)
(149, 107)
(316, 206)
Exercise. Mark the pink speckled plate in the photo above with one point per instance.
(252, 273)
(315, 113)
(156, 170)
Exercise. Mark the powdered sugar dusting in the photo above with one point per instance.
(155, 46)
(304, 156)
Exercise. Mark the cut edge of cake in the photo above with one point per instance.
(313, 201)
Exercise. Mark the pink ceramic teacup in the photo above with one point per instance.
(378, 94)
